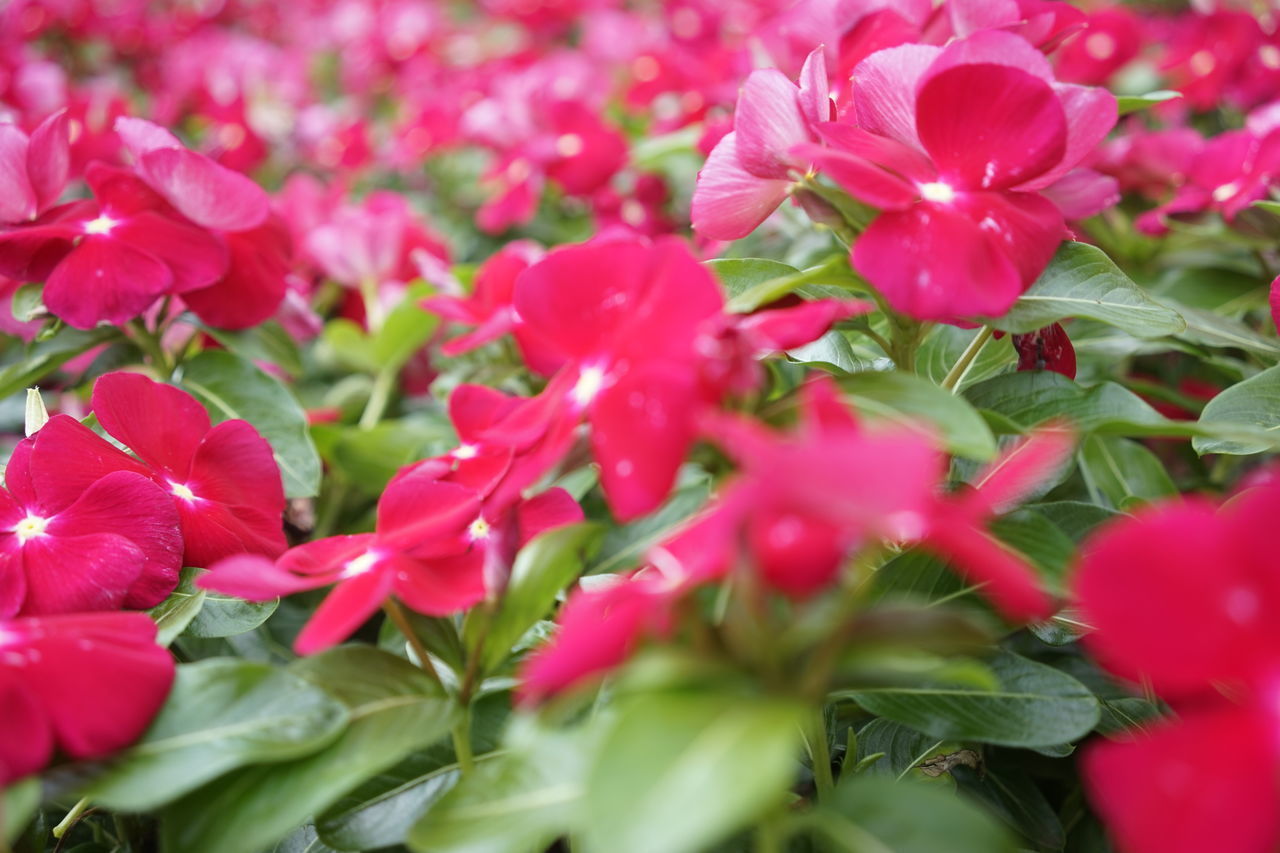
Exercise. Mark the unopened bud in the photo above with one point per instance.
(37, 414)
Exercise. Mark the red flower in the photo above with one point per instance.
(1180, 598)
(960, 176)
(84, 685)
(223, 479)
(113, 544)
(433, 549)
(489, 306)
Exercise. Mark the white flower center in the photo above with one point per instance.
(465, 451)
(29, 528)
(937, 191)
(479, 529)
(1226, 191)
(183, 491)
(361, 564)
(102, 225)
(590, 381)
(569, 145)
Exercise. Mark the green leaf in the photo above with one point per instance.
(1081, 281)
(679, 772)
(739, 275)
(349, 345)
(404, 331)
(1253, 403)
(518, 800)
(18, 804)
(903, 747)
(394, 709)
(230, 387)
(28, 302)
(754, 282)
(200, 613)
(1123, 472)
(623, 547)
(543, 568)
(222, 714)
(906, 399)
(1132, 103)
(43, 357)
(870, 813)
(267, 342)
(1214, 330)
(371, 457)
(944, 346)
(1035, 705)
(1012, 795)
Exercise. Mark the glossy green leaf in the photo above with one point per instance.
(1081, 281)
(906, 399)
(44, 357)
(201, 613)
(1035, 705)
(174, 614)
(1214, 330)
(348, 344)
(230, 387)
(623, 547)
(1122, 472)
(873, 814)
(903, 747)
(222, 714)
(18, 804)
(1012, 795)
(394, 709)
(267, 342)
(543, 568)
(518, 800)
(1253, 403)
(404, 331)
(681, 771)
(944, 346)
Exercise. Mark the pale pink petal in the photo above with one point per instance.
(768, 124)
(18, 201)
(884, 90)
(49, 159)
(728, 201)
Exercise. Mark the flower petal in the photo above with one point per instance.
(728, 201)
(162, 424)
(105, 280)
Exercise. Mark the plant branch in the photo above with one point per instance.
(958, 370)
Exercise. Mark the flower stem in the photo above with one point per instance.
(73, 816)
(958, 370)
(462, 742)
(401, 621)
(815, 738)
(149, 343)
(383, 384)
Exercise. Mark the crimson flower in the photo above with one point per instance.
(433, 549)
(962, 147)
(222, 479)
(1180, 598)
(115, 543)
(61, 687)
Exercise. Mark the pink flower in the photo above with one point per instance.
(85, 685)
(114, 544)
(432, 549)
(489, 306)
(1112, 38)
(1180, 598)
(751, 170)
(222, 479)
(962, 178)
(33, 170)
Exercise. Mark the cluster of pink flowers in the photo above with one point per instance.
(89, 529)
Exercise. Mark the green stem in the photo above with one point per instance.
(958, 370)
(379, 397)
(373, 313)
(769, 836)
(462, 742)
(397, 616)
(77, 812)
(820, 754)
(149, 343)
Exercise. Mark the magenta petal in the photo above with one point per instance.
(1175, 564)
(815, 96)
(778, 329)
(67, 457)
(80, 664)
(993, 47)
(160, 423)
(204, 192)
(475, 408)
(1082, 193)
(547, 511)
(254, 284)
(768, 124)
(863, 180)
(443, 586)
(13, 579)
(234, 465)
(1028, 227)
(1005, 578)
(17, 197)
(1015, 130)
(49, 159)
(103, 279)
(326, 557)
(1215, 770)
(489, 329)
(27, 744)
(345, 609)
(641, 430)
(884, 90)
(1091, 114)
(1006, 481)
(934, 263)
(254, 577)
(425, 517)
(132, 506)
(728, 201)
(72, 574)
(883, 151)
(196, 257)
